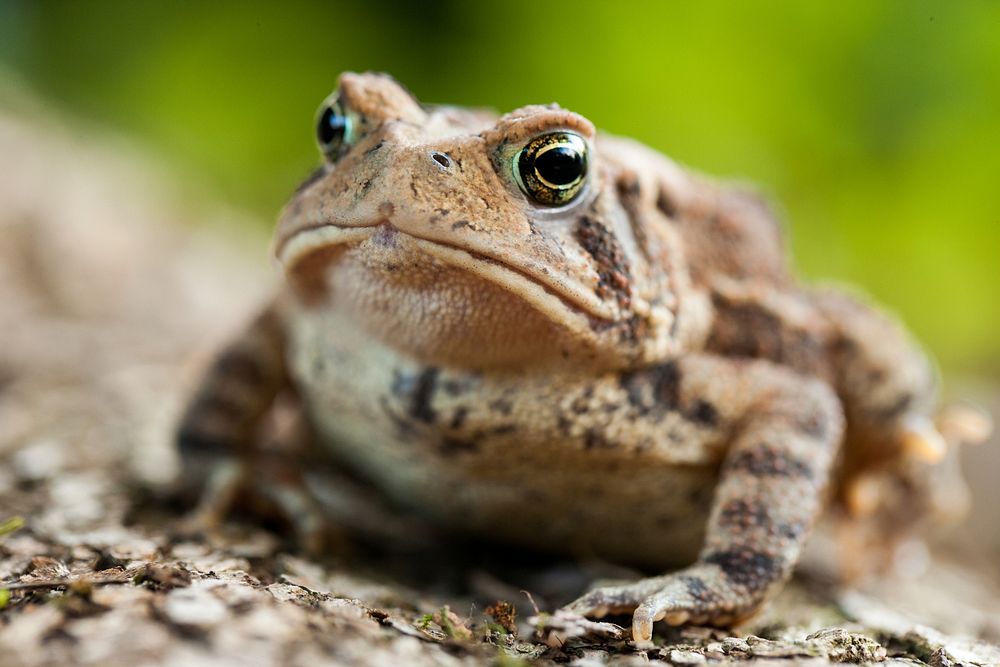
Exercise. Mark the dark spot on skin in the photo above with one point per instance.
(580, 406)
(898, 408)
(452, 446)
(503, 429)
(742, 514)
(609, 259)
(502, 405)
(628, 186)
(632, 385)
(403, 426)
(634, 329)
(374, 148)
(699, 591)
(219, 406)
(594, 439)
(599, 325)
(667, 384)
(704, 413)
(458, 419)
(191, 443)
(665, 202)
(241, 367)
(877, 375)
(653, 388)
(365, 184)
(764, 461)
(844, 346)
(564, 424)
(814, 425)
(385, 235)
(316, 174)
(748, 330)
(790, 531)
(747, 568)
(420, 407)
(701, 496)
(460, 224)
(452, 387)
(644, 445)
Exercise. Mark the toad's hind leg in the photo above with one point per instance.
(784, 431)
(888, 484)
(893, 481)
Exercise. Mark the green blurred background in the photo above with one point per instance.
(874, 123)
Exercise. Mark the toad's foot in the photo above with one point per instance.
(925, 472)
(962, 423)
(272, 491)
(701, 594)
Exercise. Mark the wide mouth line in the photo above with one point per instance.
(446, 252)
(282, 244)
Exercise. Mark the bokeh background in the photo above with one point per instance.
(874, 123)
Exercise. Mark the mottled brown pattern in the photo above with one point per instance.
(750, 329)
(632, 375)
(609, 257)
(763, 460)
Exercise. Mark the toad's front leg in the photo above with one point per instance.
(219, 438)
(785, 432)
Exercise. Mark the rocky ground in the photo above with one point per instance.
(108, 304)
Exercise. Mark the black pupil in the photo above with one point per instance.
(561, 165)
(332, 126)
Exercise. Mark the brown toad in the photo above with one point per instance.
(524, 329)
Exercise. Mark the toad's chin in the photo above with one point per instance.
(435, 302)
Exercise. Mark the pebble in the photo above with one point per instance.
(194, 607)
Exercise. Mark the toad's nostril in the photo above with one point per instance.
(441, 159)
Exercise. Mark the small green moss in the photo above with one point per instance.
(10, 525)
(4, 597)
(497, 629)
(424, 621)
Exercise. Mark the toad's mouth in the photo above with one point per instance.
(563, 301)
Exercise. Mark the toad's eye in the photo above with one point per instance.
(334, 128)
(552, 168)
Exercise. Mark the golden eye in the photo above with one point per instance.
(334, 128)
(552, 168)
